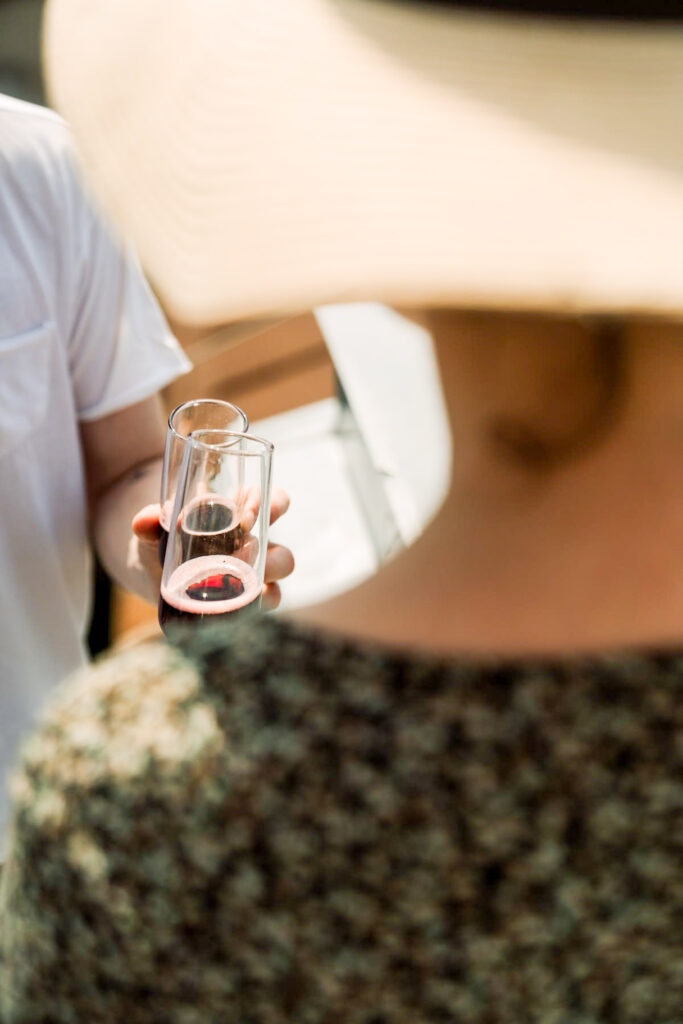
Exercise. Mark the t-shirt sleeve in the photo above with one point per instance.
(121, 350)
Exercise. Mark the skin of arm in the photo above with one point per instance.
(123, 455)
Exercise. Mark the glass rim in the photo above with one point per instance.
(203, 401)
(226, 446)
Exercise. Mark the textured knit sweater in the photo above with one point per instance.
(275, 827)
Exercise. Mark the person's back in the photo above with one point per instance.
(293, 827)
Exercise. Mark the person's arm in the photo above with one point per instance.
(123, 455)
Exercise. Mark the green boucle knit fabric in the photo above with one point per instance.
(274, 827)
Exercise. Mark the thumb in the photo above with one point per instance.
(145, 523)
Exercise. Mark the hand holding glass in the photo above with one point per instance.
(215, 559)
(198, 414)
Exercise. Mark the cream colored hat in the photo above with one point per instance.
(270, 155)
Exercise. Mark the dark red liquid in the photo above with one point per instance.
(222, 586)
(209, 528)
(168, 613)
(163, 544)
(209, 588)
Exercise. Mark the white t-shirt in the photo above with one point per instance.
(80, 336)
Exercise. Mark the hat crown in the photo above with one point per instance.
(267, 157)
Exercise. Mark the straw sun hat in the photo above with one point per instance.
(269, 155)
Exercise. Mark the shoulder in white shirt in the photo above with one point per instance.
(81, 336)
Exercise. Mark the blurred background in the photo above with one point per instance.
(20, 49)
(362, 484)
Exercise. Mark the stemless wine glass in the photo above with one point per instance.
(198, 414)
(218, 537)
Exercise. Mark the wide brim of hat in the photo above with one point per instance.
(267, 157)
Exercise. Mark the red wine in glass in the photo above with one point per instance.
(209, 526)
(209, 588)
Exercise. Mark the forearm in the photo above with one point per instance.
(131, 562)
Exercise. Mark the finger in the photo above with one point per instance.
(271, 597)
(252, 504)
(279, 563)
(279, 503)
(249, 549)
(145, 523)
(148, 557)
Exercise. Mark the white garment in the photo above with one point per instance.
(80, 337)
